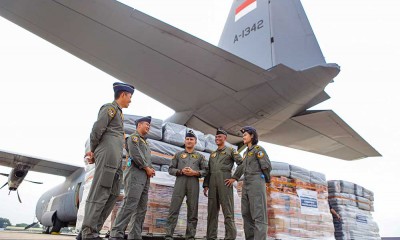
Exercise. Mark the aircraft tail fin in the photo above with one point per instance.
(271, 32)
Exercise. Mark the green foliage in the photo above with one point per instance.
(4, 222)
(21, 225)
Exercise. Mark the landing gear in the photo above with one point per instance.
(57, 225)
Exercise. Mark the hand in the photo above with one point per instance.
(205, 190)
(229, 182)
(338, 217)
(186, 171)
(89, 156)
(150, 172)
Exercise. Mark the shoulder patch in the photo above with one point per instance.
(111, 111)
(260, 154)
(257, 147)
(135, 139)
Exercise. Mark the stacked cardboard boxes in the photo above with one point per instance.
(354, 204)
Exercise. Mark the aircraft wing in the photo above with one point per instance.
(322, 132)
(183, 72)
(10, 159)
(172, 66)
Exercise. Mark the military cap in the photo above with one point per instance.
(221, 131)
(190, 133)
(248, 129)
(143, 119)
(119, 86)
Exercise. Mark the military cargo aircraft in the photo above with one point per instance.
(267, 72)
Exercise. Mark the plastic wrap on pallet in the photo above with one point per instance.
(227, 144)
(363, 203)
(174, 133)
(160, 159)
(299, 173)
(163, 147)
(155, 126)
(355, 224)
(318, 178)
(164, 168)
(354, 210)
(206, 155)
(280, 169)
(287, 215)
(368, 194)
(346, 187)
(156, 167)
(210, 143)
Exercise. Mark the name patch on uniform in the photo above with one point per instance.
(260, 154)
(111, 112)
(135, 139)
(184, 155)
(213, 155)
(250, 154)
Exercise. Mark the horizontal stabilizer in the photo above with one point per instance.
(322, 132)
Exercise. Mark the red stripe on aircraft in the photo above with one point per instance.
(243, 5)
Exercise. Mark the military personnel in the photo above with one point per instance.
(188, 166)
(136, 184)
(106, 146)
(256, 168)
(219, 169)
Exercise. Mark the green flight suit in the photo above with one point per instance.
(219, 169)
(185, 186)
(256, 166)
(106, 142)
(136, 186)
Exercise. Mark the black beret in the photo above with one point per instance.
(221, 131)
(248, 129)
(190, 133)
(143, 119)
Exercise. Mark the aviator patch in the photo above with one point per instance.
(213, 155)
(184, 155)
(135, 139)
(111, 112)
(260, 154)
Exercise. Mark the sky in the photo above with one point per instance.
(49, 99)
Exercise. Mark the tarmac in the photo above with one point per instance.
(8, 235)
(11, 235)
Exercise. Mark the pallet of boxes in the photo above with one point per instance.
(297, 204)
(354, 204)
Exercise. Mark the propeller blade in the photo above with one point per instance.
(4, 174)
(33, 181)
(31, 225)
(19, 197)
(4, 185)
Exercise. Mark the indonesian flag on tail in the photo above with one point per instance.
(244, 8)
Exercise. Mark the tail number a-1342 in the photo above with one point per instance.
(248, 30)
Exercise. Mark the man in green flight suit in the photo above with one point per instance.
(188, 166)
(106, 146)
(136, 184)
(256, 168)
(219, 169)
